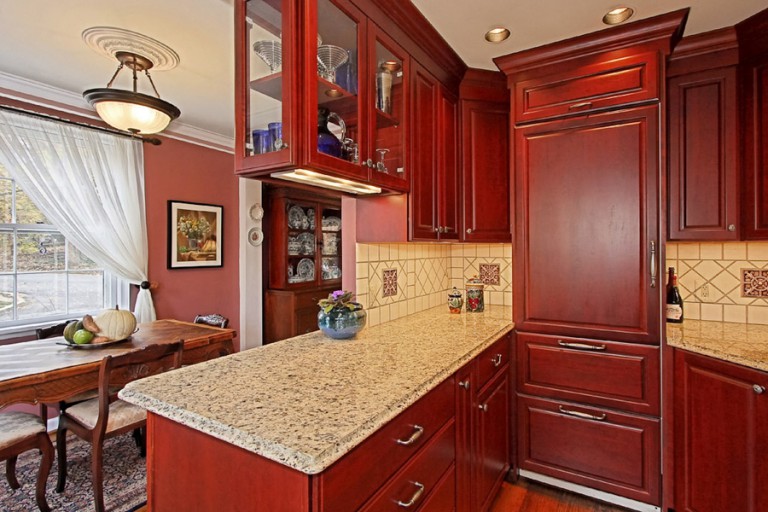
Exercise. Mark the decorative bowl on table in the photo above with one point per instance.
(339, 317)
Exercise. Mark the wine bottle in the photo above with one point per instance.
(674, 300)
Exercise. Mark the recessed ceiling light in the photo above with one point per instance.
(497, 35)
(618, 15)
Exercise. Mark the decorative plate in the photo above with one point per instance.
(311, 217)
(305, 270)
(91, 346)
(255, 236)
(307, 241)
(256, 212)
(331, 223)
(297, 219)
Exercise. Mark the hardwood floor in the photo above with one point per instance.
(528, 496)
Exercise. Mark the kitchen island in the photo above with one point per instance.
(271, 416)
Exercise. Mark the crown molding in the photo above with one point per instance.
(44, 95)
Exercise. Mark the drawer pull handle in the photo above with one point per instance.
(496, 360)
(583, 104)
(758, 389)
(580, 346)
(414, 498)
(581, 414)
(483, 407)
(417, 431)
(464, 384)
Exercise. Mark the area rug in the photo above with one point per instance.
(125, 481)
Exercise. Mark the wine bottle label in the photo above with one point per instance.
(674, 312)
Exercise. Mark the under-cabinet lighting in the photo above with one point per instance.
(321, 180)
(618, 15)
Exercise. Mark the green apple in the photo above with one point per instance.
(83, 337)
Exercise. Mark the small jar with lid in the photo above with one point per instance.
(455, 301)
(475, 295)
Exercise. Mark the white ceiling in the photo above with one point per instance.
(41, 42)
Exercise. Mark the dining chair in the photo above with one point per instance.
(21, 432)
(107, 416)
(51, 331)
(214, 319)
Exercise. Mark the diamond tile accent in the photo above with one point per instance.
(754, 282)
(489, 273)
(389, 279)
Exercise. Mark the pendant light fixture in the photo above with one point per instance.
(130, 110)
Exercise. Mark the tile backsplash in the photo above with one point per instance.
(396, 280)
(722, 281)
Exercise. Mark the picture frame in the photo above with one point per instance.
(194, 235)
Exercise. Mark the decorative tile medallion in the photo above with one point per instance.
(754, 282)
(489, 273)
(389, 285)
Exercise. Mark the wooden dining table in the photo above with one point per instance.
(43, 371)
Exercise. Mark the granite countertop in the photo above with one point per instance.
(307, 401)
(744, 344)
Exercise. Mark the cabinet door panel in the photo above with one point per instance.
(756, 153)
(587, 240)
(492, 437)
(703, 156)
(612, 451)
(720, 431)
(422, 201)
(485, 172)
(448, 168)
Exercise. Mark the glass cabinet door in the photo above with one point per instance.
(330, 244)
(267, 67)
(387, 73)
(301, 243)
(335, 98)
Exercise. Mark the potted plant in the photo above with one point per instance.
(340, 317)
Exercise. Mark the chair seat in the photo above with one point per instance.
(121, 414)
(15, 426)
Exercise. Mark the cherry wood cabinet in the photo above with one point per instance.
(753, 57)
(605, 449)
(587, 244)
(485, 171)
(587, 143)
(433, 203)
(298, 62)
(721, 435)
(704, 128)
(484, 424)
(303, 241)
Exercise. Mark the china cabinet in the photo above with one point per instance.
(321, 96)
(304, 248)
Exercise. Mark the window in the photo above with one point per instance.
(43, 277)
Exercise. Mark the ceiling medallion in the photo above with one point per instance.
(109, 41)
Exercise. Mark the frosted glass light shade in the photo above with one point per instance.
(132, 111)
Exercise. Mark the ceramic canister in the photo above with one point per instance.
(475, 298)
(455, 301)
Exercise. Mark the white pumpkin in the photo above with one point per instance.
(115, 324)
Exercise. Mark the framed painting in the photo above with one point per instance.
(194, 235)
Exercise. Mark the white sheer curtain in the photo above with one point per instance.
(90, 185)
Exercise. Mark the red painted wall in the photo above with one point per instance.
(181, 171)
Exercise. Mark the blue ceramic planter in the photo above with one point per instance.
(341, 324)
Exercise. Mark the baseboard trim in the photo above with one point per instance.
(592, 493)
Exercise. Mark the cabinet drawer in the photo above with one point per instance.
(491, 360)
(619, 81)
(443, 498)
(349, 482)
(419, 479)
(614, 452)
(620, 375)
